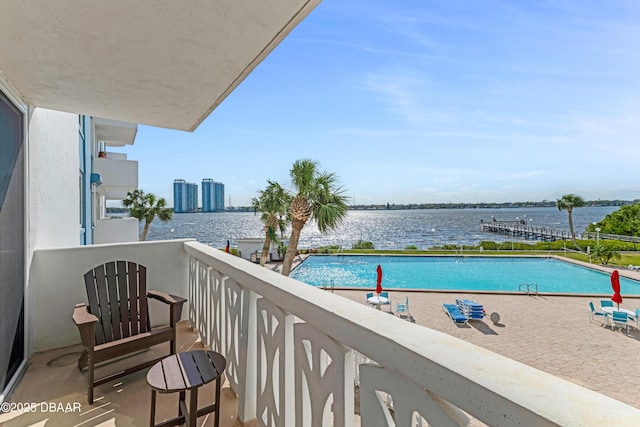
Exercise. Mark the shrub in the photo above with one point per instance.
(488, 245)
(605, 253)
(411, 248)
(360, 244)
(282, 249)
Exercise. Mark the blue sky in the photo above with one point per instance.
(417, 101)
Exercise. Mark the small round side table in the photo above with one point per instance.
(186, 371)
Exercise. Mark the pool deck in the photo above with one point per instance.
(550, 333)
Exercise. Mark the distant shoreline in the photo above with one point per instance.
(415, 206)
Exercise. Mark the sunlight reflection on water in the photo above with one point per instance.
(386, 229)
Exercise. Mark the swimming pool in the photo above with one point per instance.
(502, 274)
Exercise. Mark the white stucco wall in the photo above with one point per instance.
(53, 171)
(57, 284)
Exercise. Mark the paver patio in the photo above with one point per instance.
(550, 333)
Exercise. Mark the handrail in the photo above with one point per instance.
(232, 297)
(528, 286)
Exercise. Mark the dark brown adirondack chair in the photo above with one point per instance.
(116, 322)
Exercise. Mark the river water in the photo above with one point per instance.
(387, 229)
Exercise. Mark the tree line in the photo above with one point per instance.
(487, 205)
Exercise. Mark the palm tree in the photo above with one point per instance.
(567, 203)
(145, 207)
(273, 202)
(317, 197)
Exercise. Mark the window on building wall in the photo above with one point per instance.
(12, 241)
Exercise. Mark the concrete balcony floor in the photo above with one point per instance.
(53, 377)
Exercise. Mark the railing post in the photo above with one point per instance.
(248, 352)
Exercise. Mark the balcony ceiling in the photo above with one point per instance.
(166, 64)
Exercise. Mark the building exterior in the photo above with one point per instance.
(212, 196)
(185, 196)
(65, 95)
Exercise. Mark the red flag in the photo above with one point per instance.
(379, 280)
(226, 249)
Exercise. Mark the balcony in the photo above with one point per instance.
(117, 175)
(299, 355)
(114, 230)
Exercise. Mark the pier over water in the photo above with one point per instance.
(522, 230)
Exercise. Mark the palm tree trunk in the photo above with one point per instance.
(573, 234)
(292, 249)
(265, 250)
(144, 231)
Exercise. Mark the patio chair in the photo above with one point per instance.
(385, 294)
(620, 319)
(402, 308)
(606, 303)
(593, 313)
(116, 321)
(369, 295)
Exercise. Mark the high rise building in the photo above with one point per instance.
(185, 196)
(212, 196)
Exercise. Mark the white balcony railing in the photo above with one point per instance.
(296, 354)
(116, 174)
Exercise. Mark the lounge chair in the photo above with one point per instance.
(402, 308)
(593, 313)
(620, 319)
(454, 313)
(471, 309)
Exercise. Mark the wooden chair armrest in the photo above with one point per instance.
(166, 298)
(81, 315)
(175, 304)
(86, 324)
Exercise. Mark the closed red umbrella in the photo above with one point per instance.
(226, 249)
(379, 280)
(615, 284)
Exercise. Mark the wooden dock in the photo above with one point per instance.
(525, 231)
(522, 230)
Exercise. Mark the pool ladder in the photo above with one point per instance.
(331, 287)
(529, 288)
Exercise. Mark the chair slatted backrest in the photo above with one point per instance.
(619, 316)
(117, 293)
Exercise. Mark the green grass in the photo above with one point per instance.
(627, 258)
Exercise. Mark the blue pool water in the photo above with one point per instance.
(457, 273)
